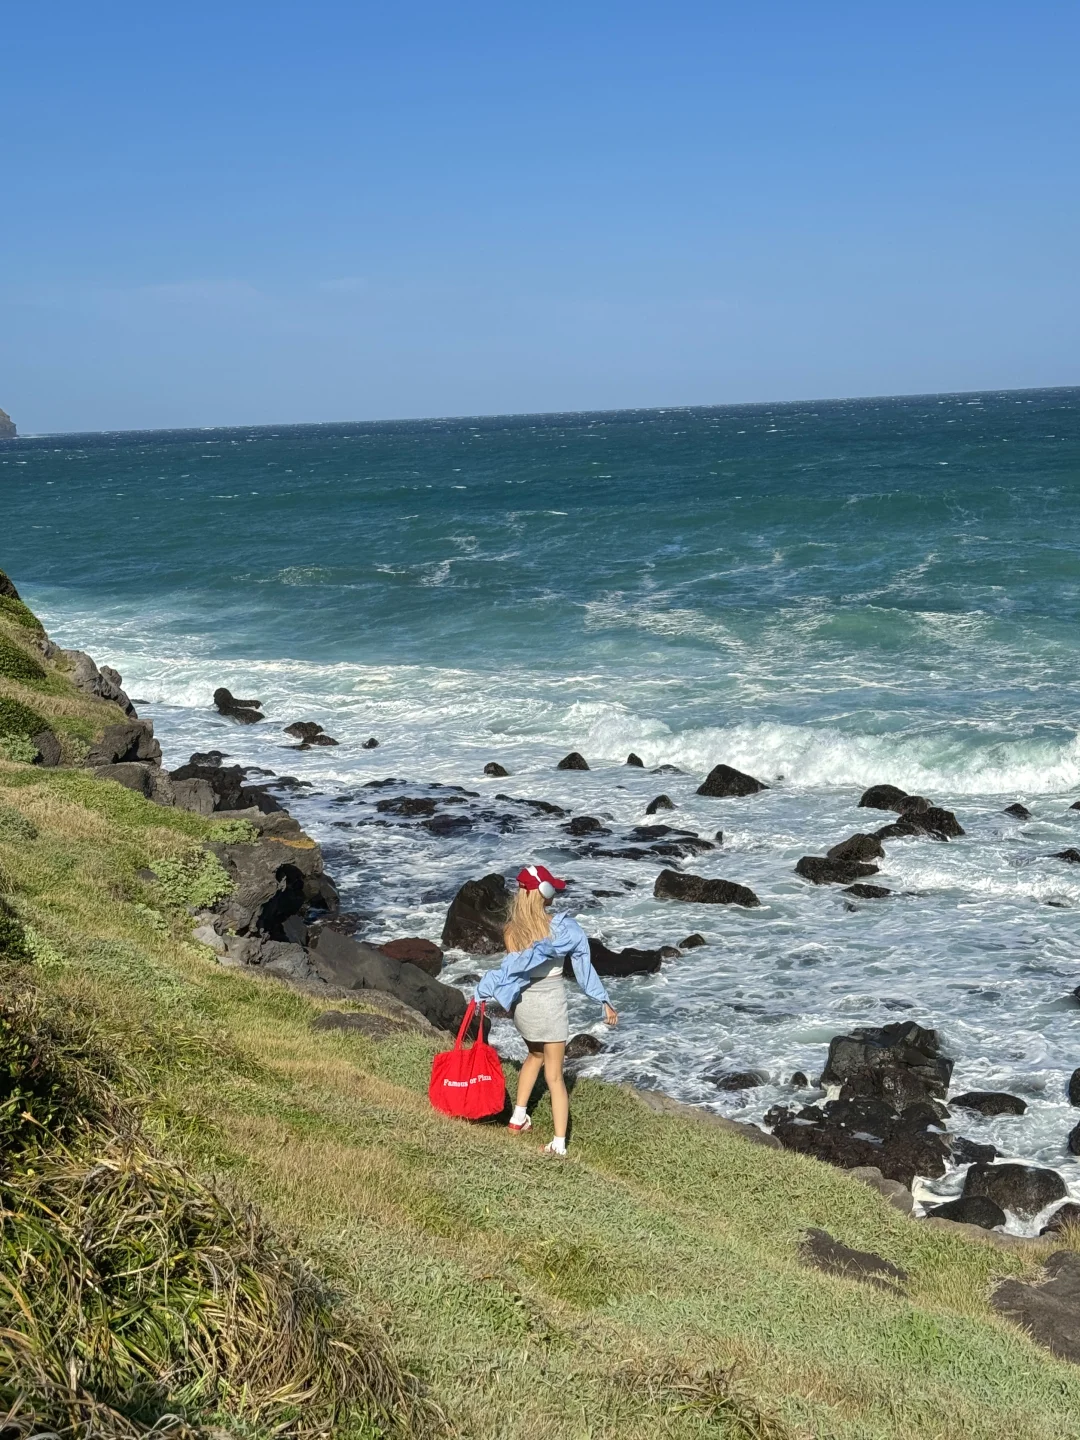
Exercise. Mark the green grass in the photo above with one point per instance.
(648, 1286)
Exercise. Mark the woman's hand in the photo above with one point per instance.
(610, 1016)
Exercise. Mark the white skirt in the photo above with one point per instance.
(540, 1015)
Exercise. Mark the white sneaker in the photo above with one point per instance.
(551, 1150)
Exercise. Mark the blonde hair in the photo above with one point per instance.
(529, 920)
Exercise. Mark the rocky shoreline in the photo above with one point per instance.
(879, 1108)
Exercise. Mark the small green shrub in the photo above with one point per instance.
(196, 879)
(233, 832)
(18, 749)
(15, 664)
(15, 828)
(20, 613)
(18, 719)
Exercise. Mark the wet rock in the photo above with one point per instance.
(799, 1081)
(882, 797)
(1072, 1140)
(1023, 1189)
(820, 1250)
(244, 711)
(477, 914)
(674, 770)
(969, 1210)
(370, 743)
(1050, 1312)
(914, 805)
(857, 847)
(868, 892)
(613, 963)
(494, 768)
(990, 1102)
(736, 1079)
(866, 1132)
(573, 761)
(194, 795)
(585, 825)
(1073, 1088)
(447, 825)
(900, 1063)
(424, 954)
(303, 729)
(580, 1047)
(361, 1022)
(723, 781)
(636, 761)
(662, 802)
(122, 743)
(897, 831)
(226, 781)
(696, 890)
(692, 942)
(1071, 855)
(341, 961)
(821, 871)
(1018, 811)
(1064, 1216)
(670, 952)
(969, 1152)
(407, 806)
(542, 807)
(938, 823)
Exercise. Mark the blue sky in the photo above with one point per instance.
(240, 213)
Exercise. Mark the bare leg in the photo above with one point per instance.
(530, 1072)
(560, 1101)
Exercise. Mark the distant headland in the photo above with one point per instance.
(7, 426)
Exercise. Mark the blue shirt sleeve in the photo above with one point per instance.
(581, 960)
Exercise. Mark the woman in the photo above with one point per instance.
(529, 983)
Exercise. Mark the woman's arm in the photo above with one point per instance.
(581, 960)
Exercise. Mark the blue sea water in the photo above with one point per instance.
(827, 595)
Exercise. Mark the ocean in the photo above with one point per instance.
(827, 595)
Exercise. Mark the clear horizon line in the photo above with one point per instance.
(545, 414)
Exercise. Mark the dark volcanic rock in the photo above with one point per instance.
(361, 1022)
(342, 961)
(1072, 1140)
(897, 830)
(406, 805)
(914, 805)
(446, 825)
(476, 917)
(370, 743)
(736, 1079)
(226, 781)
(614, 963)
(1018, 811)
(857, 847)
(303, 729)
(820, 1250)
(48, 747)
(133, 775)
(662, 802)
(1050, 1313)
(1073, 1088)
(723, 781)
(969, 1210)
(799, 1081)
(868, 892)
(1067, 1214)
(674, 770)
(692, 942)
(673, 885)
(1071, 855)
(121, 743)
(273, 880)
(424, 954)
(105, 683)
(900, 1063)
(585, 825)
(821, 871)
(636, 761)
(865, 1132)
(990, 1102)
(542, 807)
(245, 711)
(969, 1152)
(941, 824)
(1023, 1189)
(494, 768)
(883, 797)
(7, 588)
(573, 761)
(579, 1047)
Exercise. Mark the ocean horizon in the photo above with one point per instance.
(825, 594)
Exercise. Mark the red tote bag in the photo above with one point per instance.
(468, 1082)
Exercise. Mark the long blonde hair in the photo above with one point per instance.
(529, 920)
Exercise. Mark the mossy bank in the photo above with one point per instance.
(215, 1211)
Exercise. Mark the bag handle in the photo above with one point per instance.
(469, 1013)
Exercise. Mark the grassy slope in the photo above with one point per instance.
(599, 1297)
